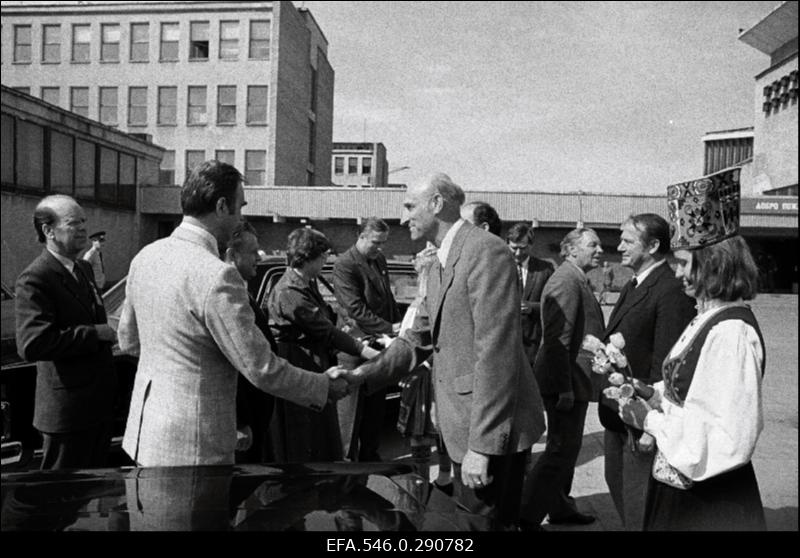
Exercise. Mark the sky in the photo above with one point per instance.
(542, 96)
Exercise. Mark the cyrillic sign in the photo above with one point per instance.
(769, 205)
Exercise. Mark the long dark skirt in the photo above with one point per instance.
(728, 502)
(300, 434)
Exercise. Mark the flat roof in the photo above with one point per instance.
(775, 30)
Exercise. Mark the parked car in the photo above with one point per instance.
(17, 377)
(382, 497)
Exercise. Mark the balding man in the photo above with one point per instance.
(482, 215)
(62, 326)
(487, 402)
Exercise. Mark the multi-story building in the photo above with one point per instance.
(244, 82)
(727, 148)
(774, 167)
(360, 165)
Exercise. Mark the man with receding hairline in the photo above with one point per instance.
(62, 326)
(487, 402)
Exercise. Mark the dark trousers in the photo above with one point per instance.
(627, 476)
(77, 450)
(549, 483)
(361, 420)
(494, 507)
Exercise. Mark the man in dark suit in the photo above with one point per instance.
(533, 273)
(253, 406)
(61, 325)
(563, 370)
(362, 288)
(488, 406)
(482, 215)
(651, 312)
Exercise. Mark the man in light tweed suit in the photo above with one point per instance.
(187, 316)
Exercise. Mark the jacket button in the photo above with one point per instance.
(436, 348)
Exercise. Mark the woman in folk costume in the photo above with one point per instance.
(707, 413)
(305, 330)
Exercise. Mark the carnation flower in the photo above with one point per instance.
(592, 344)
(617, 340)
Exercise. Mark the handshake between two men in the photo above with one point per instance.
(345, 381)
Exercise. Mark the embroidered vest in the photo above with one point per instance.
(679, 371)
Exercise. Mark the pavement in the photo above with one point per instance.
(775, 457)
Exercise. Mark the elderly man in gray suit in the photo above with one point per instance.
(187, 316)
(564, 372)
(488, 405)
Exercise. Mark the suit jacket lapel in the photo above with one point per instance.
(637, 295)
(448, 273)
(367, 269)
(69, 281)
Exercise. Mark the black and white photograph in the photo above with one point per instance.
(391, 276)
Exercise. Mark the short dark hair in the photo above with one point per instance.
(374, 224)
(572, 238)
(519, 232)
(651, 227)
(305, 245)
(206, 184)
(43, 215)
(237, 236)
(485, 213)
(725, 271)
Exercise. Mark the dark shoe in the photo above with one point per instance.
(576, 518)
(446, 488)
(527, 526)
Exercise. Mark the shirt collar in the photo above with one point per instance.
(643, 275)
(447, 242)
(206, 236)
(66, 262)
(525, 262)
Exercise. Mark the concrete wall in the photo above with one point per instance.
(775, 145)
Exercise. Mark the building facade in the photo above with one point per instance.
(49, 150)
(359, 165)
(726, 148)
(248, 83)
(773, 170)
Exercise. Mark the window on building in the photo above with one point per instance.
(79, 100)
(137, 106)
(109, 42)
(194, 157)
(338, 165)
(62, 151)
(257, 104)
(170, 35)
(108, 106)
(229, 40)
(84, 169)
(259, 39)
(126, 193)
(197, 113)
(352, 165)
(198, 40)
(30, 160)
(140, 42)
(109, 169)
(255, 167)
(22, 44)
(167, 106)
(225, 156)
(226, 104)
(81, 43)
(51, 44)
(51, 95)
(166, 172)
(366, 165)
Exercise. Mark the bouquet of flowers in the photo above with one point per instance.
(609, 360)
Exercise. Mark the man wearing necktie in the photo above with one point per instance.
(62, 326)
(362, 288)
(533, 273)
(651, 312)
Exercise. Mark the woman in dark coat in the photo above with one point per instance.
(305, 329)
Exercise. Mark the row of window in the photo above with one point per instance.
(352, 165)
(197, 113)
(42, 160)
(255, 164)
(138, 40)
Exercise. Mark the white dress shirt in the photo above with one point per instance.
(447, 241)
